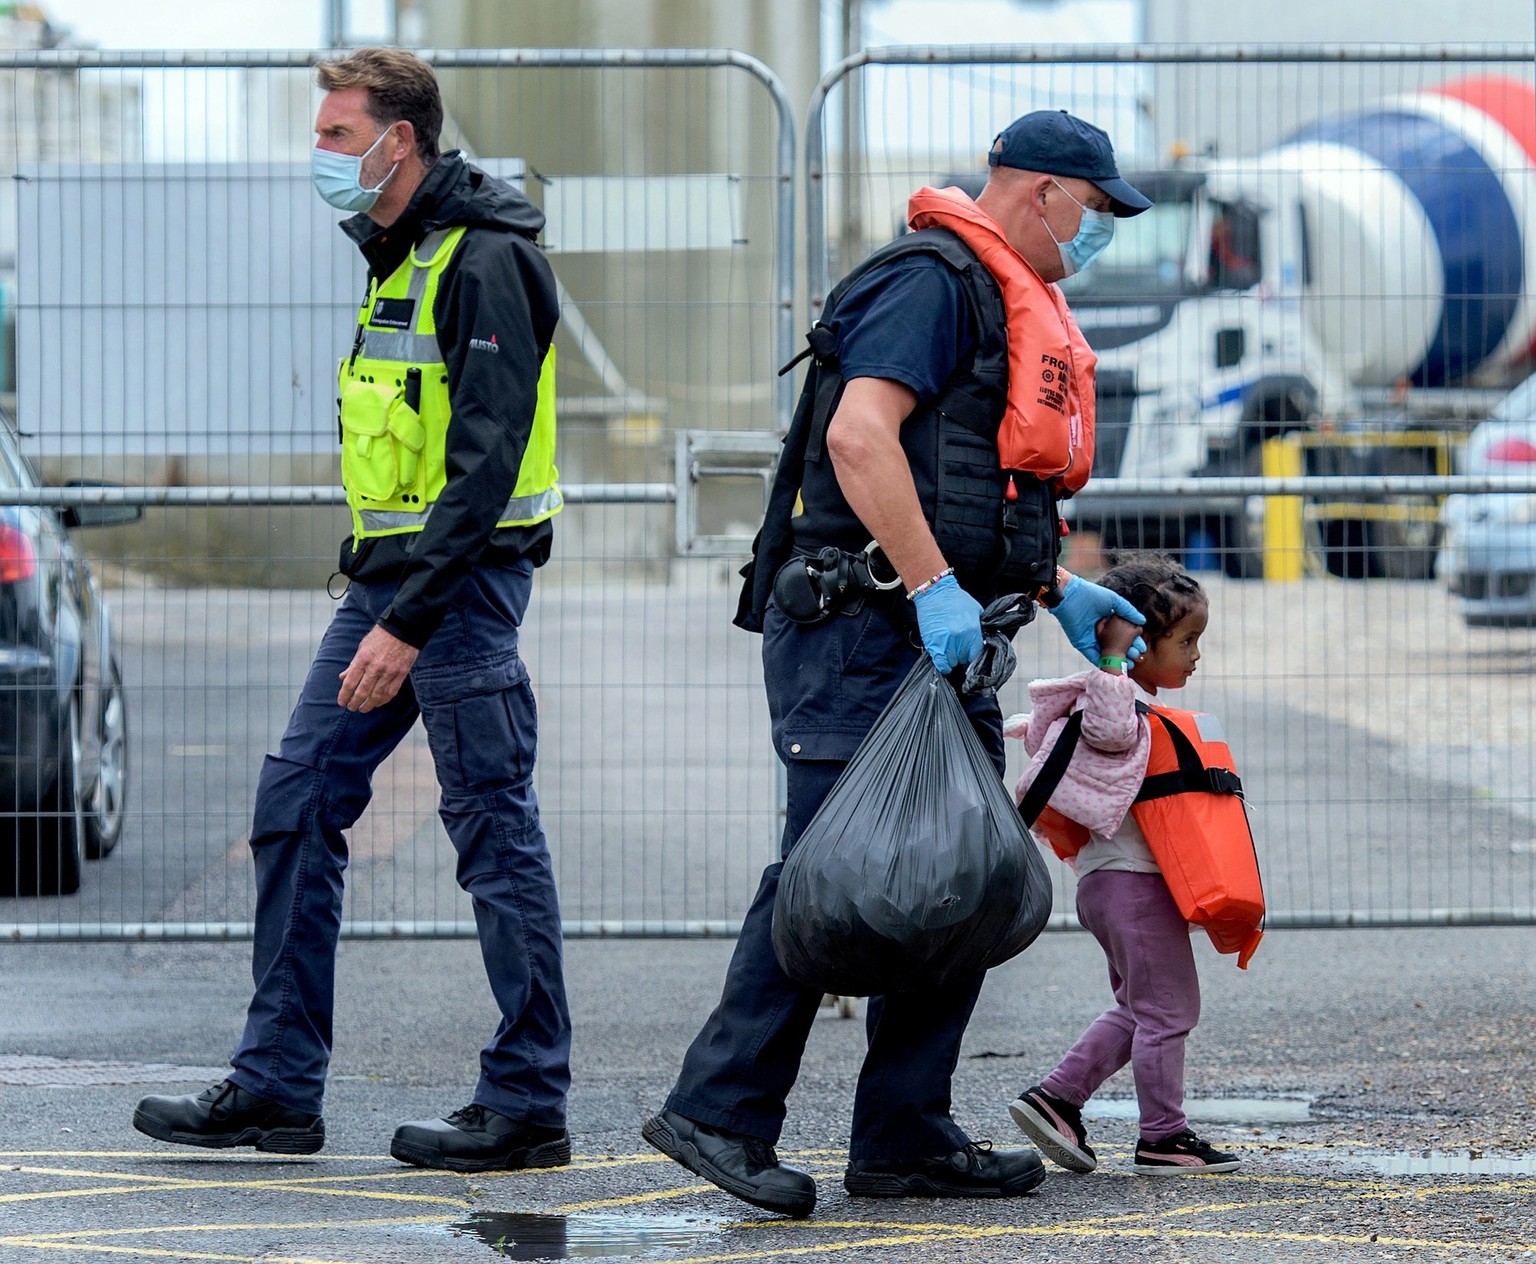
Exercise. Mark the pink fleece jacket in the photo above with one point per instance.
(1110, 762)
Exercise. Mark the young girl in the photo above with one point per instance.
(1121, 895)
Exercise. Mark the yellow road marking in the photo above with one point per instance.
(630, 1200)
(225, 1159)
(964, 1233)
(71, 1240)
(1308, 1191)
(38, 1195)
(190, 1154)
(233, 1226)
(151, 1177)
(157, 1253)
(138, 1183)
(1344, 1146)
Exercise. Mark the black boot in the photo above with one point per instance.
(477, 1139)
(744, 1166)
(978, 1171)
(226, 1115)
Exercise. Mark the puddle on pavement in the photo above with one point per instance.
(1216, 1110)
(1448, 1163)
(524, 1236)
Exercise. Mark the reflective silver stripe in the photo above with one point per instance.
(391, 520)
(422, 259)
(519, 509)
(424, 255)
(398, 344)
(395, 344)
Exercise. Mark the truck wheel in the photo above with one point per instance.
(1347, 548)
(1405, 547)
(1241, 536)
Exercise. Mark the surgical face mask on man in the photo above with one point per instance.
(1093, 236)
(338, 177)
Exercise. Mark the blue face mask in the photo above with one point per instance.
(1093, 236)
(338, 177)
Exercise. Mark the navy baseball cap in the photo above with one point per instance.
(1060, 144)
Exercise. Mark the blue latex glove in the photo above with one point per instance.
(949, 619)
(1081, 607)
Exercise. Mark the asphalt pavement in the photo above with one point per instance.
(1378, 1085)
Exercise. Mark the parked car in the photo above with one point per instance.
(63, 716)
(1488, 558)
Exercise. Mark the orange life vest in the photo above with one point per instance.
(1047, 429)
(1190, 810)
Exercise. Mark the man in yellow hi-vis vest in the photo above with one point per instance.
(446, 419)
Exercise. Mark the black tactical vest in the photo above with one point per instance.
(996, 543)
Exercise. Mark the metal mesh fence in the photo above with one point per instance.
(179, 298)
(176, 298)
(1339, 260)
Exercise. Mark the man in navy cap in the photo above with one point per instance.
(894, 453)
(1051, 151)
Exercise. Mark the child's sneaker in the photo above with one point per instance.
(1181, 1155)
(1056, 1127)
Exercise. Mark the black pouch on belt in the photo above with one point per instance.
(810, 589)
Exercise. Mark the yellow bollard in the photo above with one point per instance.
(1284, 534)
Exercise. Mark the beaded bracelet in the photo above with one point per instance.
(929, 583)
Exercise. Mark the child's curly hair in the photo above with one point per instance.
(1157, 586)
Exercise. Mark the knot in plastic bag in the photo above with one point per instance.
(990, 670)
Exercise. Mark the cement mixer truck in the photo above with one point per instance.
(1366, 283)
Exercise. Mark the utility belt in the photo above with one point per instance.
(813, 586)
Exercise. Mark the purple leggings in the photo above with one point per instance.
(1152, 973)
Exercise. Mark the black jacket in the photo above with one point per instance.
(497, 285)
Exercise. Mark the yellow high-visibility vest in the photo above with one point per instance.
(395, 410)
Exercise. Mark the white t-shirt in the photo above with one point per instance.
(1126, 849)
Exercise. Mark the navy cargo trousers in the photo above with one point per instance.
(827, 683)
(472, 692)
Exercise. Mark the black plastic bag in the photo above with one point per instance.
(917, 871)
(989, 671)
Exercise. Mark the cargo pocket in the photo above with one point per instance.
(368, 461)
(828, 683)
(483, 744)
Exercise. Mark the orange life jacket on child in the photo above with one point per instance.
(1047, 428)
(1190, 810)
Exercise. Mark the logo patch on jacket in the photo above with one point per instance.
(481, 344)
(393, 313)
